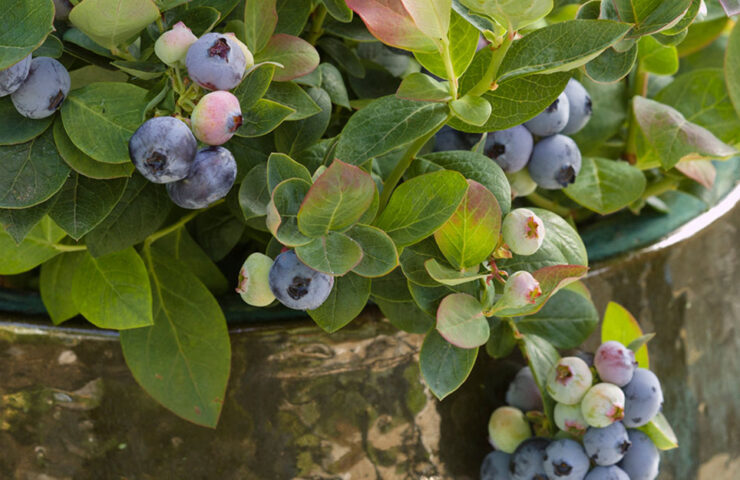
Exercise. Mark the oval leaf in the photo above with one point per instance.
(111, 22)
(566, 320)
(392, 24)
(346, 301)
(606, 186)
(35, 249)
(379, 254)
(461, 322)
(297, 56)
(24, 25)
(334, 254)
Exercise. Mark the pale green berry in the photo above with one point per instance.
(172, 46)
(254, 282)
(569, 380)
(521, 183)
(603, 405)
(507, 428)
(569, 419)
(520, 290)
(523, 231)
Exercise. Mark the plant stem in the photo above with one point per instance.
(317, 24)
(486, 83)
(544, 202)
(640, 88)
(663, 185)
(445, 53)
(69, 248)
(167, 230)
(403, 164)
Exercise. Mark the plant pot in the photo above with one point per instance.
(305, 404)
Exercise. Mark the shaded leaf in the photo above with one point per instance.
(443, 365)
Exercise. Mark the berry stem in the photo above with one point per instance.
(319, 15)
(69, 248)
(447, 59)
(543, 202)
(487, 82)
(178, 224)
(640, 88)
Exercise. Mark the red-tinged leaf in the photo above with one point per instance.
(432, 17)
(461, 322)
(621, 326)
(471, 233)
(551, 280)
(702, 171)
(297, 56)
(336, 200)
(392, 24)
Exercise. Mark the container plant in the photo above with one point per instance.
(323, 155)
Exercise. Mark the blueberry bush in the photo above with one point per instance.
(160, 159)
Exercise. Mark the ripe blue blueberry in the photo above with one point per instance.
(216, 62)
(643, 398)
(555, 162)
(569, 380)
(606, 446)
(615, 363)
(523, 392)
(528, 460)
(495, 466)
(642, 460)
(297, 286)
(162, 149)
(580, 107)
(12, 77)
(510, 148)
(552, 120)
(211, 176)
(607, 473)
(44, 89)
(450, 139)
(566, 460)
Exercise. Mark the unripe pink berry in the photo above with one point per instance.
(216, 117)
(521, 289)
(523, 231)
(568, 380)
(603, 405)
(615, 363)
(507, 428)
(172, 46)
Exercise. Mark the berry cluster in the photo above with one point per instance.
(601, 402)
(164, 149)
(37, 87)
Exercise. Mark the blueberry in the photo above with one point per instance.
(450, 139)
(607, 473)
(44, 90)
(12, 77)
(579, 102)
(249, 58)
(297, 286)
(211, 176)
(216, 117)
(162, 149)
(603, 405)
(510, 148)
(555, 162)
(642, 460)
(520, 290)
(172, 46)
(523, 392)
(643, 398)
(552, 120)
(615, 363)
(569, 418)
(606, 446)
(528, 460)
(216, 62)
(495, 466)
(507, 428)
(569, 380)
(254, 282)
(523, 231)
(566, 460)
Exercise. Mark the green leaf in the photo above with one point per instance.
(254, 86)
(282, 212)
(511, 14)
(516, 101)
(560, 47)
(419, 206)
(413, 260)
(428, 298)
(566, 320)
(449, 276)
(432, 17)
(19, 221)
(732, 67)
(15, 128)
(293, 15)
(24, 25)
(339, 10)
(75, 36)
(294, 137)
(101, 117)
(297, 56)
(260, 19)
(471, 109)
(502, 341)
(112, 291)
(472, 165)
(606, 186)
(111, 22)
(443, 365)
(333, 83)
(35, 249)
(700, 35)
(336, 200)
(262, 118)
(562, 246)
(660, 432)
(142, 70)
(672, 138)
(420, 87)
(610, 104)
(200, 19)
(30, 173)
(52, 47)
(84, 164)
(462, 39)
(281, 167)
(140, 212)
(379, 254)
(656, 57)
(56, 287)
(385, 124)
(334, 253)
(611, 65)
(83, 203)
(649, 16)
(391, 23)
(346, 301)
(218, 232)
(621, 326)
(471, 233)
(344, 57)
(293, 96)
(637, 343)
(183, 360)
(391, 294)
(541, 356)
(254, 193)
(460, 321)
